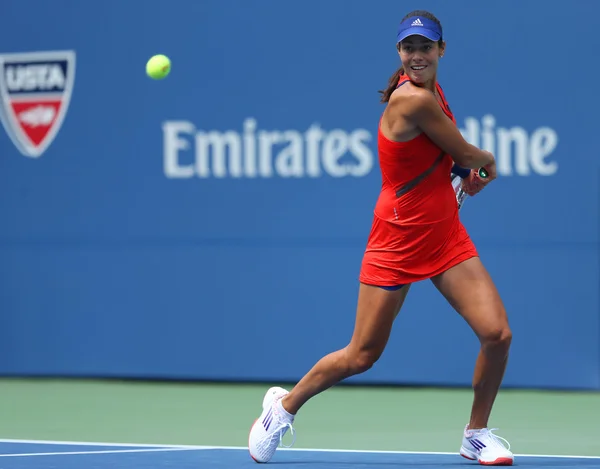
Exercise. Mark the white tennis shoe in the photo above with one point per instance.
(486, 448)
(268, 430)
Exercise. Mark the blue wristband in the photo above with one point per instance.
(460, 171)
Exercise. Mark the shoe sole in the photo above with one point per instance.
(497, 462)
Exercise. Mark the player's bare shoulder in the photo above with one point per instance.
(409, 99)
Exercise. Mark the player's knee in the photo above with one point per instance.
(498, 339)
(363, 360)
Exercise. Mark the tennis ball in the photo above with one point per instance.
(158, 67)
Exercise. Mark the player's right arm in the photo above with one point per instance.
(420, 107)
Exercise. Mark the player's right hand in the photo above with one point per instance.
(475, 183)
(472, 184)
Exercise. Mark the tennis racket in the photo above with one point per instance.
(457, 185)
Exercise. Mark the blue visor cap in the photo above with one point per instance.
(420, 26)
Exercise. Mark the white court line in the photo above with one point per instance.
(94, 443)
(114, 451)
(308, 450)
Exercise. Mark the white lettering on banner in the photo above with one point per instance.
(516, 151)
(34, 77)
(189, 152)
(264, 153)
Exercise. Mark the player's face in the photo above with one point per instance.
(420, 57)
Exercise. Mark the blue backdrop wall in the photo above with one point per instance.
(211, 225)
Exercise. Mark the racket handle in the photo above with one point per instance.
(483, 174)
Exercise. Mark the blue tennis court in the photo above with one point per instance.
(17, 454)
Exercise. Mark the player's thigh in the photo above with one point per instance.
(470, 290)
(375, 313)
(405, 290)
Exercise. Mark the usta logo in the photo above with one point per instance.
(35, 91)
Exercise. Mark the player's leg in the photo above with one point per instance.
(376, 310)
(470, 290)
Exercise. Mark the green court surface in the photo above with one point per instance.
(345, 417)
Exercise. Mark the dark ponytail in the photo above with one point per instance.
(393, 81)
(392, 84)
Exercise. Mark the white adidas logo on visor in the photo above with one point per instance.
(417, 22)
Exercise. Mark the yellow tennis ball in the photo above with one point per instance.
(158, 67)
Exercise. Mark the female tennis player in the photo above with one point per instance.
(416, 235)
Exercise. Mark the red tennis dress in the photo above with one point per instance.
(417, 234)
